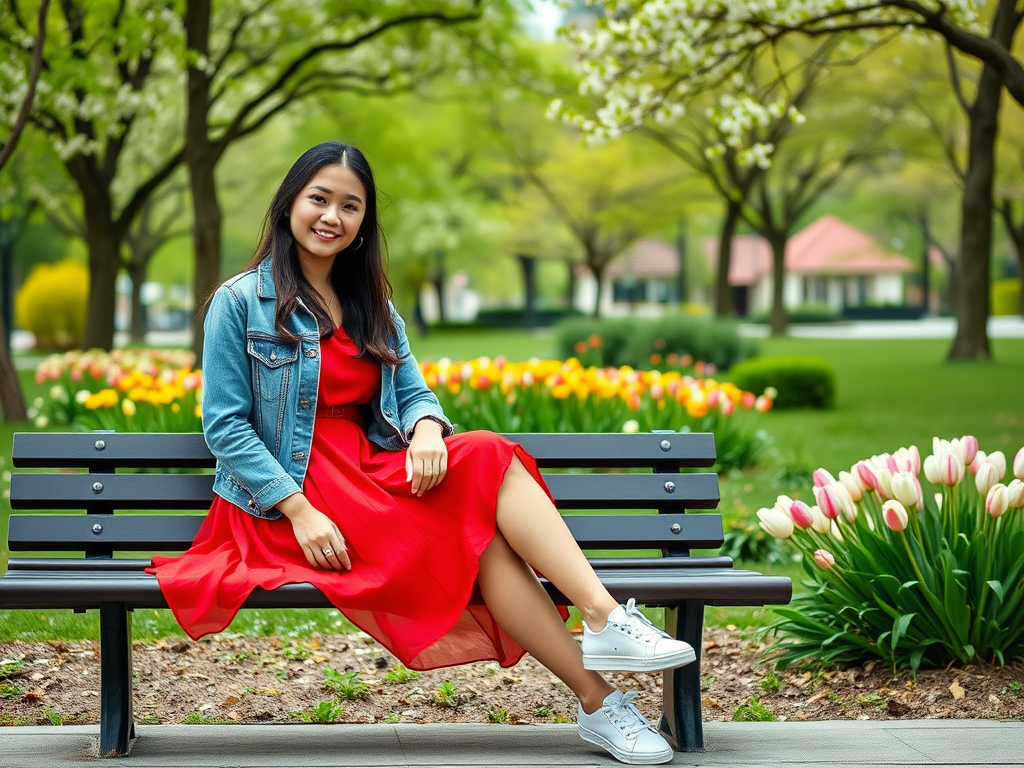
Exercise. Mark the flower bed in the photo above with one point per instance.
(915, 571)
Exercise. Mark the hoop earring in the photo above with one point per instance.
(358, 245)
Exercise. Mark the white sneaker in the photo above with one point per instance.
(619, 728)
(630, 643)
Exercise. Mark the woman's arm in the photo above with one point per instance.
(415, 399)
(228, 403)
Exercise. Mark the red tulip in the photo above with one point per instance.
(801, 515)
(895, 515)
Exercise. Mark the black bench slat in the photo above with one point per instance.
(189, 450)
(155, 491)
(74, 589)
(176, 532)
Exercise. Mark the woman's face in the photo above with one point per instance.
(326, 215)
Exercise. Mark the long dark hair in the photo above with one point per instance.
(358, 276)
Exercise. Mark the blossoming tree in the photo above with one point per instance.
(648, 59)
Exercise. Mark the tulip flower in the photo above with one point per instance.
(822, 524)
(1014, 494)
(801, 515)
(782, 504)
(822, 477)
(853, 486)
(915, 459)
(931, 469)
(867, 475)
(828, 501)
(824, 558)
(905, 490)
(986, 477)
(836, 533)
(1018, 465)
(950, 470)
(775, 523)
(631, 426)
(884, 486)
(997, 501)
(979, 459)
(969, 446)
(998, 458)
(895, 515)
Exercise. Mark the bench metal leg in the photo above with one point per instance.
(117, 727)
(681, 719)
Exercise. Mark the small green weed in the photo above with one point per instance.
(9, 666)
(1015, 686)
(282, 674)
(499, 715)
(6, 718)
(562, 719)
(149, 720)
(706, 682)
(392, 717)
(296, 652)
(348, 685)
(753, 712)
(872, 700)
(400, 674)
(771, 684)
(54, 717)
(198, 718)
(327, 712)
(542, 712)
(447, 695)
(8, 691)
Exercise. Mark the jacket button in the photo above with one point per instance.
(299, 456)
(310, 353)
(304, 403)
(251, 503)
(273, 356)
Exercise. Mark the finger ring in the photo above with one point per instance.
(328, 552)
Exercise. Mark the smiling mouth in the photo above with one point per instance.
(325, 235)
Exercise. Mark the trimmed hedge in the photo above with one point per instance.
(801, 382)
(651, 342)
(1006, 297)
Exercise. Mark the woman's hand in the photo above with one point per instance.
(321, 541)
(426, 461)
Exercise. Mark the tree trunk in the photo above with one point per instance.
(438, 280)
(12, 399)
(779, 318)
(104, 245)
(201, 157)
(926, 266)
(570, 285)
(137, 273)
(529, 265)
(598, 273)
(972, 294)
(723, 291)
(1016, 232)
(682, 249)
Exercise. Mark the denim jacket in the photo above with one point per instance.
(259, 394)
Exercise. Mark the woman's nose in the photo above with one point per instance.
(330, 216)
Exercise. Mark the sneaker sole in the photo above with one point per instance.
(638, 664)
(656, 758)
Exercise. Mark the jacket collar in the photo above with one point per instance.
(265, 280)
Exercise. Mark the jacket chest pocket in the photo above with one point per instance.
(273, 363)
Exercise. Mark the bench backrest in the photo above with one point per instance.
(96, 486)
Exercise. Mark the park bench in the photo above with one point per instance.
(87, 478)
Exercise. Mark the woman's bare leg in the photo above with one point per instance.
(533, 527)
(523, 609)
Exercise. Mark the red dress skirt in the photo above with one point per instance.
(414, 559)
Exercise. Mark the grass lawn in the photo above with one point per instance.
(891, 393)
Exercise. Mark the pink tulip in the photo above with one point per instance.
(824, 558)
(782, 504)
(951, 469)
(895, 515)
(775, 523)
(801, 515)
(890, 463)
(867, 475)
(969, 443)
(979, 459)
(1018, 465)
(853, 486)
(728, 407)
(986, 477)
(997, 501)
(828, 501)
(904, 489)
(846, 504)
(1015, 494)
(884, 487)
(920, 494)
(820, 523)
(915, 459)
(822, 477)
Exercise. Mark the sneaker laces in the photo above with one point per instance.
(626, 718)
(646, 629)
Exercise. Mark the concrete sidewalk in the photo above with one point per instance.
(829, 743)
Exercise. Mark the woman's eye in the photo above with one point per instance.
(317, 199)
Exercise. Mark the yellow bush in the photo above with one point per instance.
(1006, 297)
(51, 304)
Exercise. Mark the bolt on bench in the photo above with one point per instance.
(95, 579)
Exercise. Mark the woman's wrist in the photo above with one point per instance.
(427, 423)
(292, 505)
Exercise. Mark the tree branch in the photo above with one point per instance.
(33, 79)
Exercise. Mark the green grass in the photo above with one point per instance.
(891, 393)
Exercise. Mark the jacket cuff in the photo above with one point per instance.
(276, 490)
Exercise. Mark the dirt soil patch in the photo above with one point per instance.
(349, 678)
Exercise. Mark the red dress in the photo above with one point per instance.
(414, 559)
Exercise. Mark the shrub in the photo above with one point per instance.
(801, 382)
(52, 302)
(919, 572)
(1006, 297)
(805, 313)
(633, 341)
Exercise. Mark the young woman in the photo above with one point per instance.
(337, 467)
